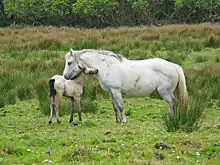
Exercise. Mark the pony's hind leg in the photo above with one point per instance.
(78, 102)
(167, 95)
(117, 98)
(71, 109)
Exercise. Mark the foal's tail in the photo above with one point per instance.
(182, 94)
(52, 92)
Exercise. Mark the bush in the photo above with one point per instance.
(25, 92)
(86, 44)
(212, 41)
(102, 13)
(43, 96)
(197, 10)
(8, 98)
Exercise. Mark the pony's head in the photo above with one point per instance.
(74, 65)
(71, 65)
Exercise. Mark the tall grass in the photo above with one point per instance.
(30, 56)
(203, 86)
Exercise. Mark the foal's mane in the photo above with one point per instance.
(105, 52)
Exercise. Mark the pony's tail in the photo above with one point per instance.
(52, 92)
(181, 91)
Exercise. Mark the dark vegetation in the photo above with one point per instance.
(102, 13)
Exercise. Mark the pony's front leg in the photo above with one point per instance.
(117, 97)
(71, 109)
(117, 116)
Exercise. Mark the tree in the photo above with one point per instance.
(2, 9)
(97, 11)
(3, 17)
(197, 10)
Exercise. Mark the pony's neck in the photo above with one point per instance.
(91, 60)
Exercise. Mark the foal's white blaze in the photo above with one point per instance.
(117, 75)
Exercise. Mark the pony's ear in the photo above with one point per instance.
(71, 51)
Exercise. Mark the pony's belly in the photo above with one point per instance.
(138, 91)
(103, 86)
(139, 85)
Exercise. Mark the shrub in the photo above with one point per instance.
(43, 96)
(86, 44)
(25, 92)
(200, 59)
(178, 59)
(212, 41)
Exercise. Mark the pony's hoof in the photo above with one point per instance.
(50, 122)
(124, 121)
(118, 121)
(59, 122)
(71, 120)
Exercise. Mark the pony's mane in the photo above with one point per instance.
(105, 52)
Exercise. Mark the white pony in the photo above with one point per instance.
(72, 89)
(118, 76)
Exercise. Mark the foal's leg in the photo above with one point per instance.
(117, 97)
(57, 104)
(71, 109)
(117, 116)
(78, 102)
(51, 112)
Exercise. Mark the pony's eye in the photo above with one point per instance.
(69, 63)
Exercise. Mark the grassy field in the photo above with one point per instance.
(30, 56)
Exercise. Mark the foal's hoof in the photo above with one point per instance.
(50, 122)
(75, 124)
(59, 122)
(71, 120)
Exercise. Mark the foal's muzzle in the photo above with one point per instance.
(66, 77)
